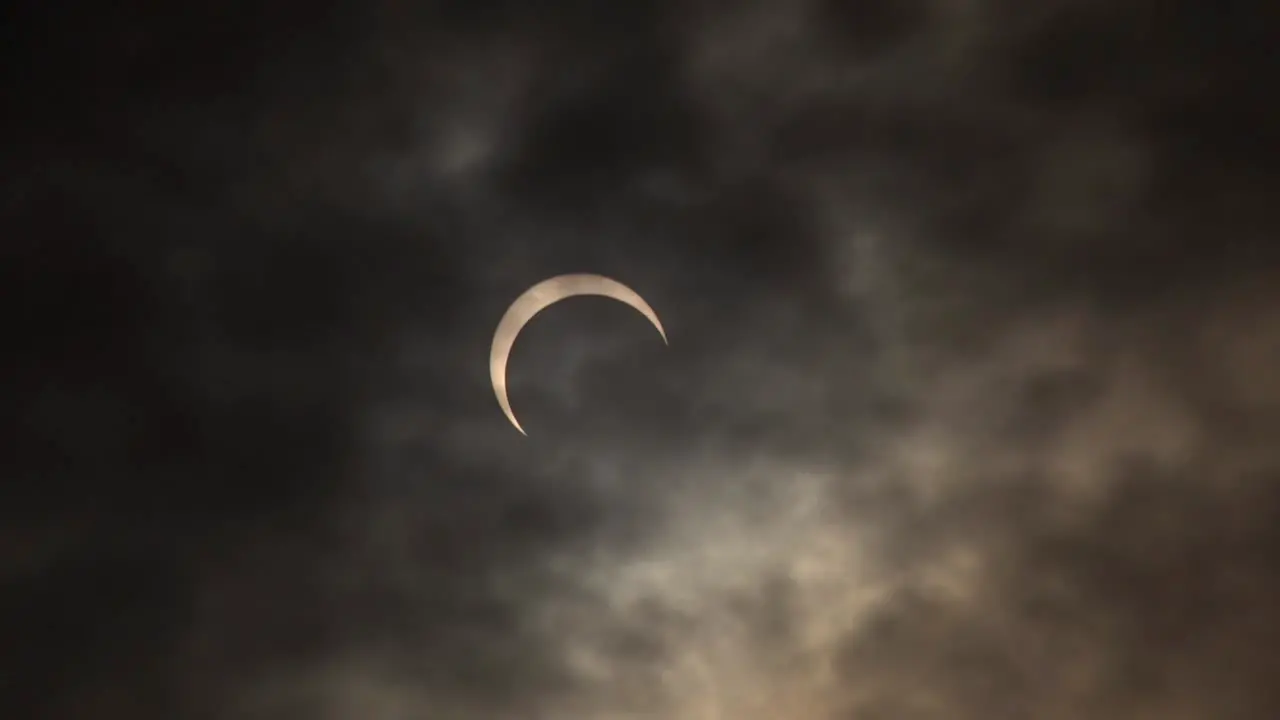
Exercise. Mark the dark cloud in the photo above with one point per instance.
(967, 412)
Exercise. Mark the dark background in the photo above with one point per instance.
(1005, 276)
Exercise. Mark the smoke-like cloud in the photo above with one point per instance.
(968, 409)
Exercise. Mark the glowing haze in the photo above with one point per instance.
(972, 411)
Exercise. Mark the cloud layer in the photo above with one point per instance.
(967, 412)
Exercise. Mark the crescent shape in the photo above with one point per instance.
(533, 301)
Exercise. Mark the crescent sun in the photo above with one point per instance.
(533, 301)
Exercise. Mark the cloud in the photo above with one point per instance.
(966, 413)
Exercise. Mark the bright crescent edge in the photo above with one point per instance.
(538, 298)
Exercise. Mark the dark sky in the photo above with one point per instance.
(970, 408)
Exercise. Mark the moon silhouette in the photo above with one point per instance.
(533, 301)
